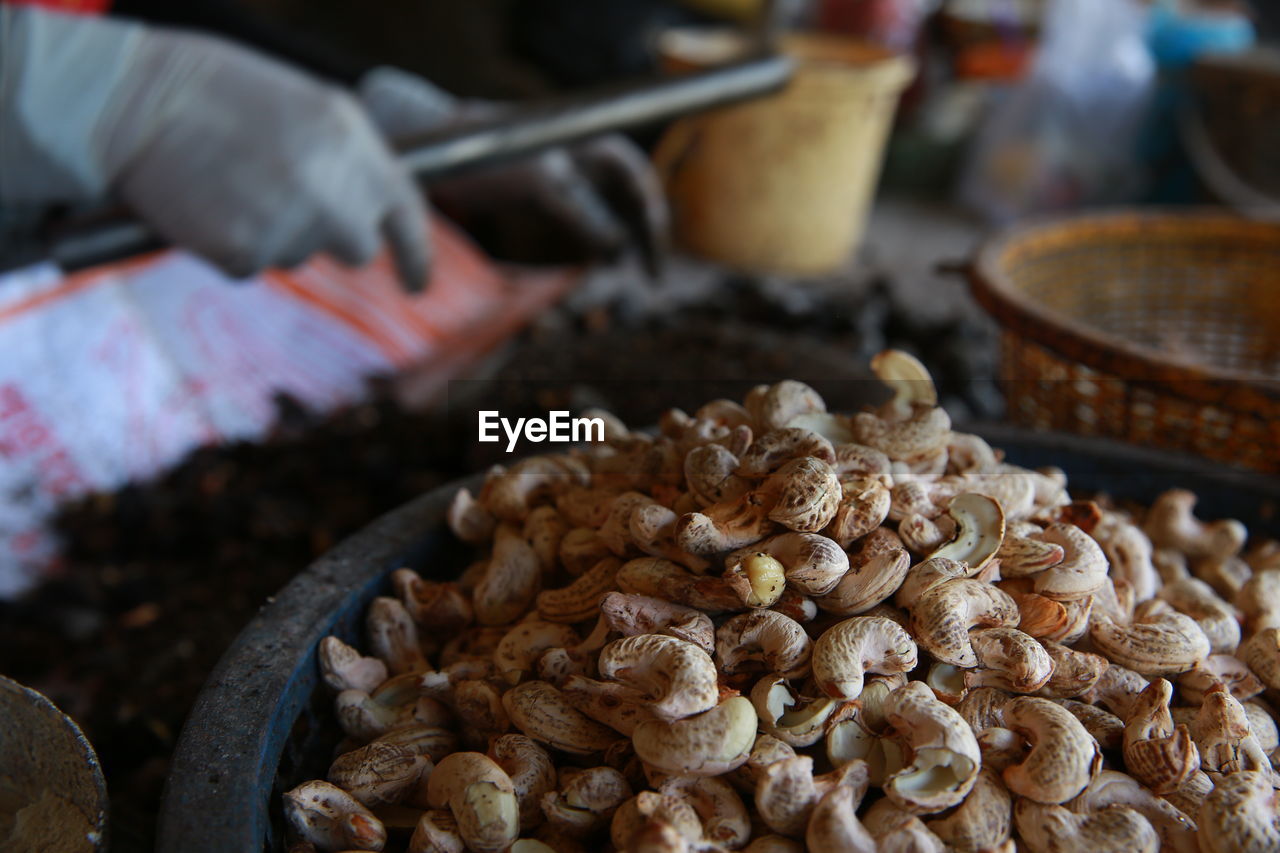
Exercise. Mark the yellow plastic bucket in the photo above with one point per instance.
(784, 183)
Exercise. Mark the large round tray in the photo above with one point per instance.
(260, 725)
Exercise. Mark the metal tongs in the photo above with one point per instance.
(111, 236)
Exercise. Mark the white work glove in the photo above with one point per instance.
(602, 191)
(224, 152)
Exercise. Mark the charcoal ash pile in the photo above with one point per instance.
(703, 326)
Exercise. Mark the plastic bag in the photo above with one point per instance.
(1067, 136)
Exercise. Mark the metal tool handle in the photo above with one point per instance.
(523, 130)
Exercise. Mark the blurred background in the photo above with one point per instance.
(1057, 205)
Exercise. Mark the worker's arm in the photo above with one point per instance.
(232, 155)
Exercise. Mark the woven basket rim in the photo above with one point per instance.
(1078, 341)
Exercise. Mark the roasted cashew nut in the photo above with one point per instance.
(867, 583)
(649, 807)
(921, 435)
(435, 742)
(393, 638)
(1241, 815)
(1262, 653)
(543, 713)
(330, 818)
(435, 832)
(1012, 487)
(1171, 524)
(531, 772)
(711, 474)
(581, 548)
(811, 563)
(943, 616)
(909, 380)
(784, 716)
(943, 753)
(834, 824)
(1129, 552)
(653, 531)
(763, 639)
(586, 802)
(1008, 659)
(580, 600)
(1217, 620)
(379, 772)
(895, 828)
(469, 520)
(544, 529)
(510, 581)
(510, 495)
(1224, 737)
(519, 650)
(759, 579)
(723, 815)
(443, 607)
(707, 744)
(1108, 789)
(863, 644)
(615, 705)
(1023, 553)
(775, 406)
(983, 821)
(864, 505)
(787, 792)
(1259, 600)
(926, 575)
(1063, 759)
(1159, 641)
(1102, 725)
(806, 494)
(1225, 671)
(344, 668)
(664, 579)
(979, 531)
(481, 797)
(1074, 672)
(1081, 571)
(777, 447)
(631, 615)
(677, 679)
(727, 525)
(1116, 689)
(1049, 828)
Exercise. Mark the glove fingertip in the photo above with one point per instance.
(408, 238)
(238, 268)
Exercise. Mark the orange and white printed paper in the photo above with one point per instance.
(113, 374)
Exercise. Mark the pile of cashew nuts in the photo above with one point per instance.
(770, 627)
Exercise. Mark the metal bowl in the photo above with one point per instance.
(52, 795)
(260, 725)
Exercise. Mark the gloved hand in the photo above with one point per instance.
(604, 190)
(222, 151)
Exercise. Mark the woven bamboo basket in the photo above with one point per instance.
(1157, 328)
